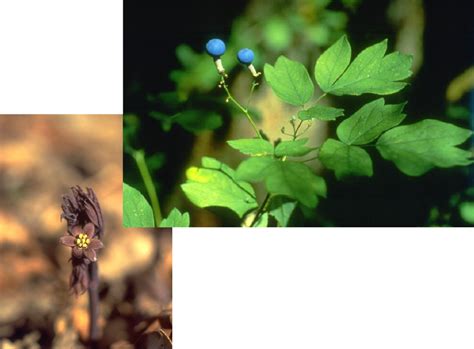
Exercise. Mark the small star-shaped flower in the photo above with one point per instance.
(82, 242)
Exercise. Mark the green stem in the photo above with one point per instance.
(254, 84)
(310, 159)
(320, 97)
(261, 209)
(238, 105)
(139, 157)
(295, 135)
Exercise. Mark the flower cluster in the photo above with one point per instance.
(85, 228)
(216, 48)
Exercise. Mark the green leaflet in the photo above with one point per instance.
(332, 63)
(417, 148)
(282, 209)
(291, 179)
(320, 112)
(215, 185)
(370, 72)
(345, 160)
(292, 148)
(175, 219)
(252, 146)
(137, 212)
(290, 81)
(366, 124)
(295, 180)
(254, 169)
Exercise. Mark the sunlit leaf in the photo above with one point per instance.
(175, 219)
(292, 148)
(254, 169)
(137, 212)
(366, 124)
(370, 72)
(282, 209)
(332, 63)
(290, 81)
(417, 148)
(320, 112)
(214, 184)
(252, 146)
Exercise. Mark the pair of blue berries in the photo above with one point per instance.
(216, 48)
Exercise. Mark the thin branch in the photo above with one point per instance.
(139, 157)
(238, 105)
(320, 97)
(261, 209)
(254, 84)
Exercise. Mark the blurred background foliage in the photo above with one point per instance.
(175, 113)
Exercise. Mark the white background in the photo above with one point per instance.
(61, 57)
(323, 288)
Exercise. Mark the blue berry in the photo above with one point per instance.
(215, 47)
(245, 56)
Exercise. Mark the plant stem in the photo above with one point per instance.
(139, 157)
(94, 332)
(320, 97)
(261, 209)
(311, 159)
(295, 135)
(238, 105)
(254, 84)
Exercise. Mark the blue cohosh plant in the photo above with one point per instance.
(190, 106)
(282, 166)
(85, 230)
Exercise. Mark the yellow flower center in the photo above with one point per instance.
(82, 241)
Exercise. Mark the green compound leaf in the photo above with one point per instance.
(137, 212)
(366, 124)
(175, 219)
(282, 209)
(373, 72)
(320, 112)
(345, 160)
(290, 81)
(292, 148)
(291, 179)
(215, 185)
(253, 146)
(417, 148)
(332, 63)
